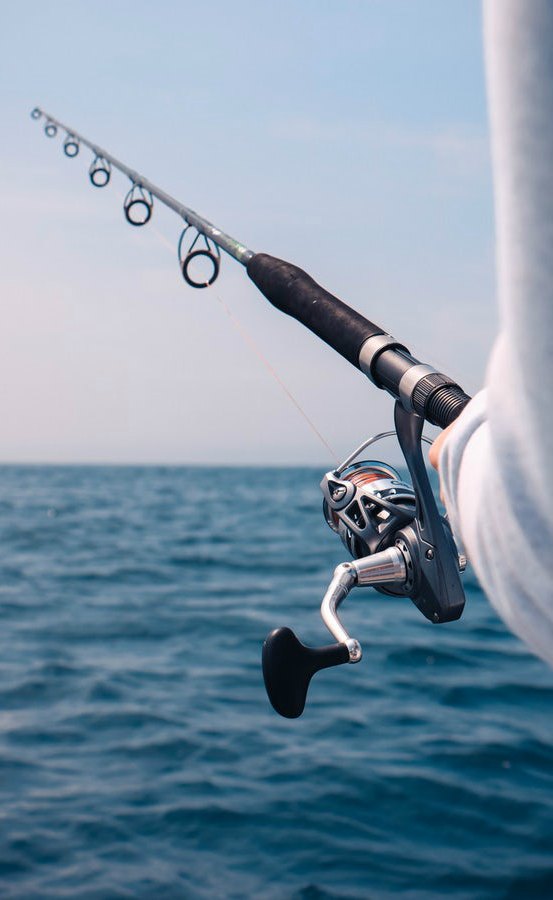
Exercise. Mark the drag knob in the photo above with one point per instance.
(288, 666)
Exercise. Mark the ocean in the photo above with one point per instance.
(139, 756)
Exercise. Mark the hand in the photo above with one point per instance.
(436, 448)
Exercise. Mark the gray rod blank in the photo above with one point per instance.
(224, 241)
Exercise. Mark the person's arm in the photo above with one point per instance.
(494, 462)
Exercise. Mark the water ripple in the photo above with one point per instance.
(139, 757)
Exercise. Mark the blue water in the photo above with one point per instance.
(139, 756)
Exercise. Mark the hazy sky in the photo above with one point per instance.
(349, 137)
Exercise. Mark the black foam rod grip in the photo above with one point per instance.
(288, 666)
(295, 293)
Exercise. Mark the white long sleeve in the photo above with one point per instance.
(495, 466)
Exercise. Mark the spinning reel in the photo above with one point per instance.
(400, 545)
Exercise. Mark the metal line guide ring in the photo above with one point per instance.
(50, 130)
(36, 113)
(71, 146)
(142, 202)
(210, 252)
(99, 172)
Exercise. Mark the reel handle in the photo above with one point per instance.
(288, 667)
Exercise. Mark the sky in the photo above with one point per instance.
(347, 136)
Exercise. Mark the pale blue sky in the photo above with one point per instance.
(349, 137)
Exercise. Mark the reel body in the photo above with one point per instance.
(400, 545)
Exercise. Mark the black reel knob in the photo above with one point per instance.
(288, 667)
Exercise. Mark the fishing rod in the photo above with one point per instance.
(399, 542)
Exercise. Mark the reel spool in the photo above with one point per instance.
(365, 504)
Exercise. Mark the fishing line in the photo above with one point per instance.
(254, 347)
(247, 338)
